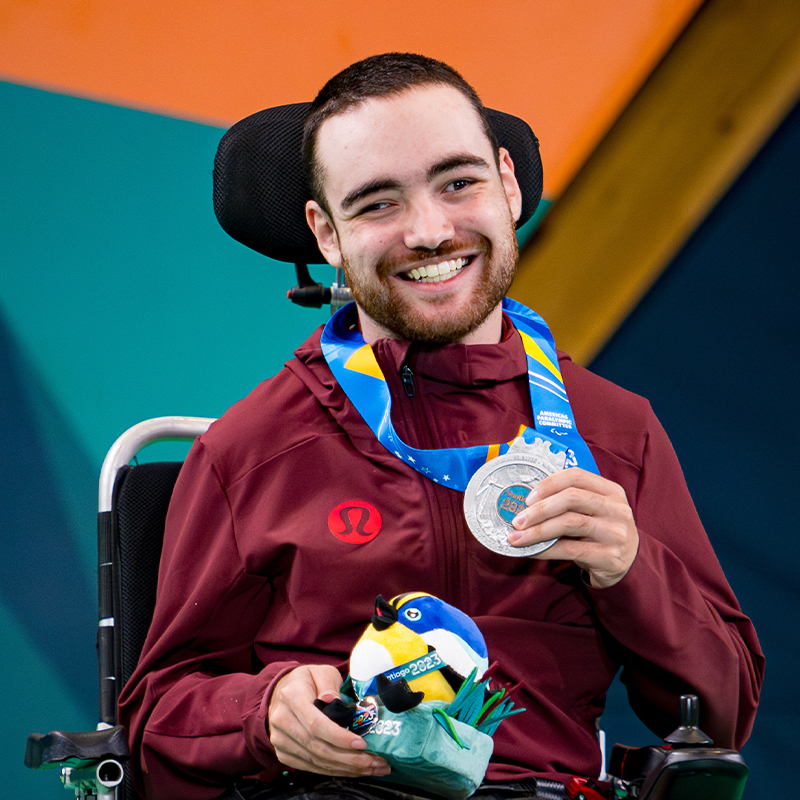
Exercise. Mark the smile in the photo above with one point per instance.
(436, 273)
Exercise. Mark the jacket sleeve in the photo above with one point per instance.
(195, 707)
(674, 617)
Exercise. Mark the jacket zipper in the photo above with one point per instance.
(443, 515)
(407, 376)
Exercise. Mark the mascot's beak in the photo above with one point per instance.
(385, 614)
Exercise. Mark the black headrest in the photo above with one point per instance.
(260, 191)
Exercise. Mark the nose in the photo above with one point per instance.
(428, 225)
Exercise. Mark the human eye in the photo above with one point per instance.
(373, 208)
(459, 184)
(380, 205)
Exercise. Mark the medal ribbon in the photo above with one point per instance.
(355, 367)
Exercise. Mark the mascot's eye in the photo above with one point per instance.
(413, 614)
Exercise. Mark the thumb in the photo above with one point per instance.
(327, 681)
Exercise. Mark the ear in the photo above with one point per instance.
(509, 179)
(325, 232)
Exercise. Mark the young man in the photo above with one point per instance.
(294, 511)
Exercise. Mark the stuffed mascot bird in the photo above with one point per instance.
(417, 648)
(418, 692)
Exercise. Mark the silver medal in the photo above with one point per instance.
(496, 494)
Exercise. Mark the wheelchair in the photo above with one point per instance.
(259, 197)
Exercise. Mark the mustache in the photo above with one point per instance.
(390, 265)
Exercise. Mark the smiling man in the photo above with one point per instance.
(344, 477)
(423, 225)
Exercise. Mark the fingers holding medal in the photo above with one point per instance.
(525, 503)
(497, 494)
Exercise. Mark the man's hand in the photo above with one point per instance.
(304, 738)
(591, 516)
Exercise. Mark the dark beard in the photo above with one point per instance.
(395, 315)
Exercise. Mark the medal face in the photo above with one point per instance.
(496, 493)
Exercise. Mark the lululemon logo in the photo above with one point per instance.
(355, 522)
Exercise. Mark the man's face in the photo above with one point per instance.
(422, 219)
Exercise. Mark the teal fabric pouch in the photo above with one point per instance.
(431, 751)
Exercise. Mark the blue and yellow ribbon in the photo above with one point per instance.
(355, 367)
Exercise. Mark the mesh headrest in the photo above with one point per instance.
(260, 191)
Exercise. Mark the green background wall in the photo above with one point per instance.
(121, 299)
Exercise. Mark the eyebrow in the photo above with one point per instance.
(360, 192)
(455, 162)
(383, 184)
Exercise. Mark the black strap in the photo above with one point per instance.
(305, 786)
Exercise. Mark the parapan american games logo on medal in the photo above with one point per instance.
(355, 522)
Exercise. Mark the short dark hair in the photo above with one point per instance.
(378, 76)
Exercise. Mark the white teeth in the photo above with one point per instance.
(434, 273)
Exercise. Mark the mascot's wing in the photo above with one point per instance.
(397, 696)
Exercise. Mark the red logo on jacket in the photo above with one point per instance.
(355, 522)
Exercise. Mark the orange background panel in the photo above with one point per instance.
(568, 68)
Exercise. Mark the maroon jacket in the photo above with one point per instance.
(289, 518)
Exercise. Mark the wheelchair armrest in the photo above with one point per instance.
(76, 749)
(686, 765)
(664, 772)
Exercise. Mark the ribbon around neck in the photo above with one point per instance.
(355, 367)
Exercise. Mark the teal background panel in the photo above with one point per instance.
(117, 280)
(121, 299)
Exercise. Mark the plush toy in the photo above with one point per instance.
(422, 646)
(419, 692)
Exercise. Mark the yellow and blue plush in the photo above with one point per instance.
(417, 649)
(419, 676)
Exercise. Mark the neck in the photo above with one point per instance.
(488, 332)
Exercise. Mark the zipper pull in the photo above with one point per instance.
(407, 376)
